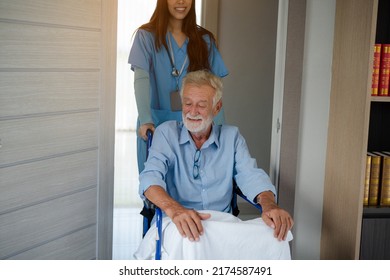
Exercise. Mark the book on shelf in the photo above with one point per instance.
(385, 179)
(377, 179)
(376, 69)
(373, 194)
(367, 180)
(384, 71)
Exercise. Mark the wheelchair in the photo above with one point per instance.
(150, 210)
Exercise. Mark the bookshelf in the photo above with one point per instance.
(375, 243)
(357, 123)
(379, 123)
(376, 212)
(380, 99)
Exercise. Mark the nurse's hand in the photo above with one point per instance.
(144, 128)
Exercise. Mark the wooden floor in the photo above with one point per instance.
(127, 229)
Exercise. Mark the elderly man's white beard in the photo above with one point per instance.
(196, 126)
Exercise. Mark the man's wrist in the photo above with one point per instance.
(266, 198)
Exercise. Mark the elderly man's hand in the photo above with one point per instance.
(279, 220)
(188, 222)
(274, 216)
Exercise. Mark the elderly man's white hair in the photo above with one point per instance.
(201, 78)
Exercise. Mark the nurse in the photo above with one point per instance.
(164, 50)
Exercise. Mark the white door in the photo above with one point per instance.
(57, 84)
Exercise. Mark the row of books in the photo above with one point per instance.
(377, 179)
(381, 70)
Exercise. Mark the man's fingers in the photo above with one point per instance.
(188, 231)
(189, 224)
(198, 222)
(283, 231)
(280, 222)
(268, 221)
(204, 216)
(195, 231)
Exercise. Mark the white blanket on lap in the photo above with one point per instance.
(225, 237)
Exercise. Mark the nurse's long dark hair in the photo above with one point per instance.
(197, 50)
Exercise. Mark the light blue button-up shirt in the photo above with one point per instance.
(223, 157)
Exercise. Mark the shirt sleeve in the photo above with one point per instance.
(142, 50)
(216, 62)
(156, 167)
(142, 95)
(251, 179)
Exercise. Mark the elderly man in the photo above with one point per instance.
(192, 164)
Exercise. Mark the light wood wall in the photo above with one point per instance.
(53, 60)
(348, 128)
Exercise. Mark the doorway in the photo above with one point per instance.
(127, 222)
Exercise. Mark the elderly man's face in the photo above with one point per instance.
(198, 111)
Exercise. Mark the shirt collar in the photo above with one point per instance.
(213, 139)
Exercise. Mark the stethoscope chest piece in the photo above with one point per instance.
(175, 73)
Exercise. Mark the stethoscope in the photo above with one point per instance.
(175, 73)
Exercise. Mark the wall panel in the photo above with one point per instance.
(75, 246)
(27, 139)
(26, 93)
(27, 184)
(84, 13)
(34, 226)
(35, 46)
(57, 87)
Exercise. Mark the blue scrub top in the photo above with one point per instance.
(143, 55)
